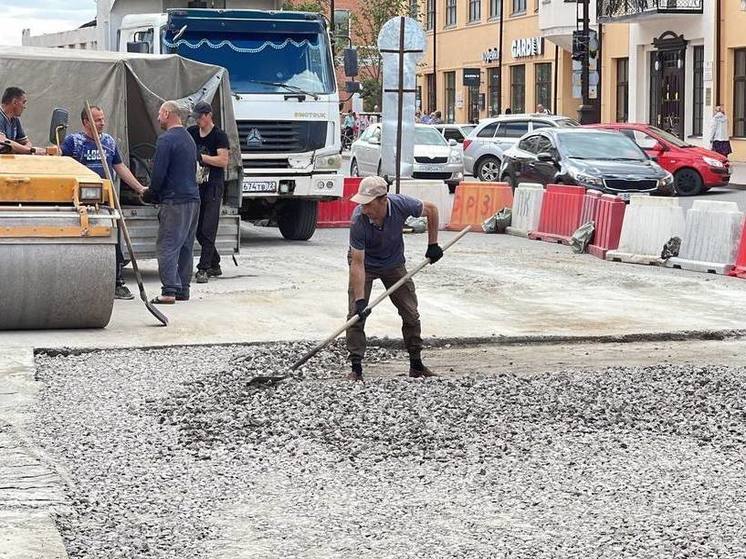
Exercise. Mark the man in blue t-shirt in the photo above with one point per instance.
(377, 252)
(12, 137)
(81, 146)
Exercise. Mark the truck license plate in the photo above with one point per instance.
(259, 186)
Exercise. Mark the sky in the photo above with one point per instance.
(42, 16)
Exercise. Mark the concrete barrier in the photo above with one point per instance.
(649, 222)
(430, 191)
(476, 201)
(560, 215)
(338, 212)
(527, 200)
(711, 236)
(608, 218)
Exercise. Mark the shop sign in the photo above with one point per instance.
(490, 56)
(472, 77)
(532, 46)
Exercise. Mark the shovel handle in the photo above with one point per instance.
(377, 300)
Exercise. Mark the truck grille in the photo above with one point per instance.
(421, 159)
(627, 185)
(266, 163)
(291, 136)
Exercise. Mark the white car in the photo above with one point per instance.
(434, 157)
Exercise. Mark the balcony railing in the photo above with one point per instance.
(610, 11)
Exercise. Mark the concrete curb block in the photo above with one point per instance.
(431, 191)
(527, 200)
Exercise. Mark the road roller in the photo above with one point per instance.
(57, 244)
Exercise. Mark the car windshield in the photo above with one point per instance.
(670, 138)
(263, 62)
(428, 136)
(599, 145)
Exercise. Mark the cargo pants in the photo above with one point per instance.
(405, 301)
(177, 226)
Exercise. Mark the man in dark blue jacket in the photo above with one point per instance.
(173, 185)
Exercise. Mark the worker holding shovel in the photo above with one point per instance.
(377, 252)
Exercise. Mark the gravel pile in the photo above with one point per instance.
(179, 453)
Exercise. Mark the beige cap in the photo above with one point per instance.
(370, 188)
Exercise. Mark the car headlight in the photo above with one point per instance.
(588, 180)
(712, 162)
(666, 181)
(91, 193)
(327, 162)
(456, 156)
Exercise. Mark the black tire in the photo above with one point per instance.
(487, 169)
(297, 219)
(354, 168)
(688, 182)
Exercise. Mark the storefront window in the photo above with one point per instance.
(430, 78)
(544, 84)
(475, 10)
(698, 104)
(473, 103)
(493, 84)
(622, 89)
(739, 94)
(450, 79)
(450, 12)
(518, 88)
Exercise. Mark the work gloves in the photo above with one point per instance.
(434, 253)
(360, 310)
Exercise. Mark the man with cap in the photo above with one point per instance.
(377, 252)
(212, 149)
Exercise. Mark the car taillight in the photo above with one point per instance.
(467, 143)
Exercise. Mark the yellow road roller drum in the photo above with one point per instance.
(57, 244)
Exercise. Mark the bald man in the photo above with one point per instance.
(173, 186)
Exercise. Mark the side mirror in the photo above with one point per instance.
(545, 157)
(58, 126)
(375, 140)
(142, 47)
(452, 142)
(350, 62)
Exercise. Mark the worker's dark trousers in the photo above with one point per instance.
(119, 259)
(207, 227)
(405, 301)
(175, 245)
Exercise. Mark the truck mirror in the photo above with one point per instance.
(58, 126)
(350, 62)
(353, 87)
(138, 46)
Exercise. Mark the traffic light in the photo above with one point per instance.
(579, 45)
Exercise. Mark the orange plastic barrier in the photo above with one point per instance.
(339, 212)
(477, 201)
(560, 213)
(609, 218)
(739, 270)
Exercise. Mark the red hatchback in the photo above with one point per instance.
(695, 169)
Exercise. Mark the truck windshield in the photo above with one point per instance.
(263, 62)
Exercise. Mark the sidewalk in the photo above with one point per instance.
(738, 174)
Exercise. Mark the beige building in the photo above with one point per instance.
(731, 69)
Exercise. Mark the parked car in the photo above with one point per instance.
(596, 159)
(484, 148)
(434, 157)
(456, 132)
(694, 169)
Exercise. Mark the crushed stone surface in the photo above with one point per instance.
(187, 453)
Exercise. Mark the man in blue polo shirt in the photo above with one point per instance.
(81, 146)
(377, 252)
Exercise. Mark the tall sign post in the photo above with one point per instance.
(401, 43)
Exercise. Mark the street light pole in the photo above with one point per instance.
(500, 61)
(434, 94)
(586, 110)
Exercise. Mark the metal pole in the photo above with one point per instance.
(585, 111)
(500, 60)
(434, 94)
(555, 110)
(334, 31)
(401, 103)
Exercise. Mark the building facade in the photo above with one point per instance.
(82, 38)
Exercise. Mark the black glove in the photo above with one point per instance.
(360, 310)
(434, 253)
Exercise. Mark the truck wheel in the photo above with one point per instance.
(297, 219)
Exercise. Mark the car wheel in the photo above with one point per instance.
(488, 168)
(688, 182)
(354, 169)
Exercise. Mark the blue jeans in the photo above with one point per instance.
(175, 244)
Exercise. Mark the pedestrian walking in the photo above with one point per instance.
(348, 130)
(173, 185)
(212, 153)
(12, 136)
(377, 252)
(81, 146)
(719, 139)
(436, 118)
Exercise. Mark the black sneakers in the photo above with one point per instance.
(201, 276)
(121, 292)
(214, 272)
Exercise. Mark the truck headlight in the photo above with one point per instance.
(713, 162)
(91, 193)
(328, 162)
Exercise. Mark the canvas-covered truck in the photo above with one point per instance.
(130, 89)
(285, 101)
